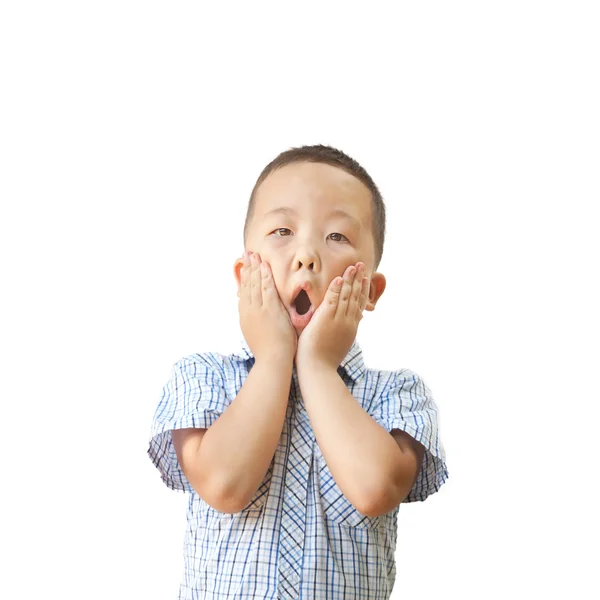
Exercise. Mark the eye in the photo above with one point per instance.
(336, 240)
(278, 231)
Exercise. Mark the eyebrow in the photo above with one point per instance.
(338, 212)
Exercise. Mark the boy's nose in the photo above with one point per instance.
(306, 257)
(309, 266)
(307, 260)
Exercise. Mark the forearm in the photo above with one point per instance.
(360, 454)
(239, 446)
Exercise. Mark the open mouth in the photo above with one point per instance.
(301, 308)
(302, 303)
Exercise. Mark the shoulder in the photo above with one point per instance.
(215, 362)
(210, 372)
(401, 393)
(385, 380)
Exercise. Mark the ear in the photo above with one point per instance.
(376, 288)
(237, 273)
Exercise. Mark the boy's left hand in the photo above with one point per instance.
(332, 330)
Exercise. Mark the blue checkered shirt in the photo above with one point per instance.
(299, 537)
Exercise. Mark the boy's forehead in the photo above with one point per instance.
(303, 185)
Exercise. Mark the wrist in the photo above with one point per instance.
(312, 363)
(275, 360)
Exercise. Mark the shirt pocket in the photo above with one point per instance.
(336, 507)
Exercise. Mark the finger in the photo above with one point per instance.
(269, 292)
(364, 295)
(255, 279)
(269, 289)
(345, 292)
(354, 301)
(245, 280)
(332, 297)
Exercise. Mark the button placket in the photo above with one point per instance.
(297, 440)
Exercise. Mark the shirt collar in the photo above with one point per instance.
(353, 364)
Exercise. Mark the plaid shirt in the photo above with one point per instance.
(299, 537)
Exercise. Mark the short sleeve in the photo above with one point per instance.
(194, 396)
(407, 404)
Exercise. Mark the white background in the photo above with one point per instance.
(131, 134)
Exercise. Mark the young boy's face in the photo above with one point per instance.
(311, 221)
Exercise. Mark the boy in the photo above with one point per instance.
(295, 454)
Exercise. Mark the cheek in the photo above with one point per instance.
(342, 264)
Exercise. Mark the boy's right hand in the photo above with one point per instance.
(265, 322)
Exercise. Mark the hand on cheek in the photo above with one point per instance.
(264, 320)
(332, 330)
